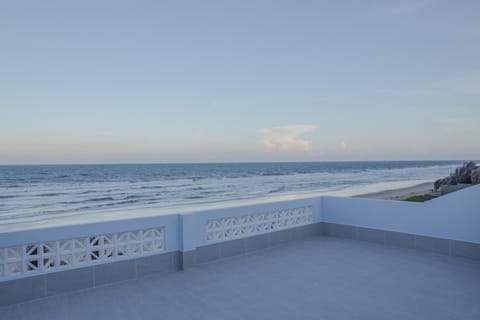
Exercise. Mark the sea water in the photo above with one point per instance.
(42, 192)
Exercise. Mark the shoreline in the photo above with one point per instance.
(114, 214)
(400, 193)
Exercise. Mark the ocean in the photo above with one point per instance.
(42, 192)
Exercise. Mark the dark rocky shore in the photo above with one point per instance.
(464, 176)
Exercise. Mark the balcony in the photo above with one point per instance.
(313, 258)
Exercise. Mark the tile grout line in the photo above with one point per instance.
(45, 285)
(94, 276)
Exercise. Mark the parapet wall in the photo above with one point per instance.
(48, 261)
(455, 216)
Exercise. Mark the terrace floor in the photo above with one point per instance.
(315, 278)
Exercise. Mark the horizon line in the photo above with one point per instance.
(224, 162)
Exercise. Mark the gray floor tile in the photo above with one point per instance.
(114, 271)
(232, 248)
(15, 291)
(307, 231)
(280, 237)
(70, 280)
(258, 242)
(466, 249)
(154, 264)
(188, 259)
(400, 239)
(340, 230)
(432, 244)
(315, 278)
(208, 253)
(371, 235)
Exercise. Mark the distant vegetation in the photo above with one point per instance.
(421, 198)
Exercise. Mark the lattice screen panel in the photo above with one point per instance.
(45, 257)
(230, 228)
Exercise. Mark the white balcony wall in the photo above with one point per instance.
(455, 216)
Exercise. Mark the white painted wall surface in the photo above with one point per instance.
(455, 216)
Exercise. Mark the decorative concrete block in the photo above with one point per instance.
(67, 254)
(230, 228)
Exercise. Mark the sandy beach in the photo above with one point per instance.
(400, 194)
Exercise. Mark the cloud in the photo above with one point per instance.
(286, 138)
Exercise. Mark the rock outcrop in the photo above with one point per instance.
(451, 188)
(462, 177)
(475, 176)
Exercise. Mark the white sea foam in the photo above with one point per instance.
(41, 194)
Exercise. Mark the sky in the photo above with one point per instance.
(214, 81)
